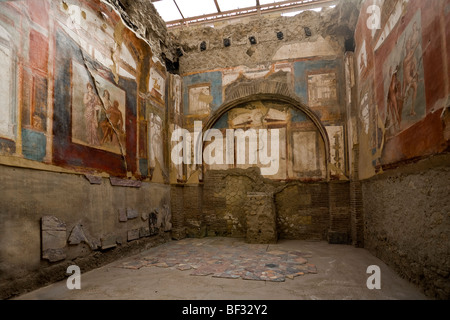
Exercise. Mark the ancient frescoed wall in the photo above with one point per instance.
(81, 91)
(304, 54)
(402, 71)
(319, 85)
(83, 134)
(296, 87)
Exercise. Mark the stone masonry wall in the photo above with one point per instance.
(333, 25)
(407, 223)
(261, 218)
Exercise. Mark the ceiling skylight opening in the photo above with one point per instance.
(179, 13)
(228, 5)
(200, 8)
(167, 10)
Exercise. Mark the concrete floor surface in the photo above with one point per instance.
(341, 275)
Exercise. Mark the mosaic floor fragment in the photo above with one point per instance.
(240, 260)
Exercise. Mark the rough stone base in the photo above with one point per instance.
(261, 218)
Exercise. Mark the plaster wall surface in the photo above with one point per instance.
(28, 195)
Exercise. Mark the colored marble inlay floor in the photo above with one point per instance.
(226, 260)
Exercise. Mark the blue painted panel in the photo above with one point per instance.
(34, 145)
(302, 68)
(143, 167)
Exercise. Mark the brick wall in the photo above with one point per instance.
(302, 211)
(177, 207)
(340, 212)
(306, 211)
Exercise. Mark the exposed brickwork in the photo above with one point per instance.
(192, 198)
(215, 203)
(307, 211)
(302, 211)
(356, 203)
(177, 206)
(339, 197)
(357, 218)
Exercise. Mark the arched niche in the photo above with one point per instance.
(269, 93)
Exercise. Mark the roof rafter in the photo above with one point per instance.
(181, 13)
(217, 6)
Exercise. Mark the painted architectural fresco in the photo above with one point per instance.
(24, 87)
(336, 136)
(322, 90)
(176, 95)
(301, 151)
(200, 100)
(157, 101)
(402, 88)
(157, 83)
(152, 140)
(175, 113)
(318, 84)
(202, 93)
(7, 85)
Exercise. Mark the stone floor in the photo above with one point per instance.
(224, 260)
(230, 269)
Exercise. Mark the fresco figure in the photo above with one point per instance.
(106, 104)
(394, 103)
(92, 105)
(177, 96)
(112, 124)
(410, 72)
(101, 114)
(156, 140)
